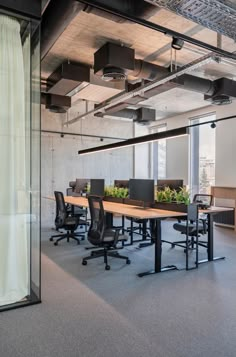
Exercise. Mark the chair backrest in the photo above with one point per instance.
(192, 211)
(203, 200)
(97, 227)
(69, 191)
(61, 212)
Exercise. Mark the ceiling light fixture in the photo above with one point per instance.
(177, 43)
(138, 140)
(213, 125)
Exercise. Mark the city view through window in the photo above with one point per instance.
(202, 158)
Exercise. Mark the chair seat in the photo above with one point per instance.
(182, 227)
(109, 236)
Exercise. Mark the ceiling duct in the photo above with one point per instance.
(112, 55)
(142, 116)
(112, 61)
(217, 15)
(56, 103)
(133, 7)
(225, 90)
(56, 17)
(67, 77)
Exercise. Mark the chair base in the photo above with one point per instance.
(105, 252)
(67, 235)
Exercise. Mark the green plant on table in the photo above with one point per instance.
(183, 196)
(119, 192)
(169, 195)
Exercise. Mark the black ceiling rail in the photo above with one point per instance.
(158, 28)
(63, 133)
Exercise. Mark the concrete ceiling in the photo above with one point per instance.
(88, 32)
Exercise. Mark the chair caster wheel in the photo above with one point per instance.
(107, 267)
(172, 245)
(51, 239)
(128, 261)
(55, 243)
(84, 262)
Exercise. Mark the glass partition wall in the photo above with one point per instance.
(20, 161)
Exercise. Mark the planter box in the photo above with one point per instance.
(131, 202)
(171, 206)
(113, 199)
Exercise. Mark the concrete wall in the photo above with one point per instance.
(60, 160)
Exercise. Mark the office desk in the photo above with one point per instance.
(156, 216)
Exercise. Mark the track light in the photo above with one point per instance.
(138, 140)
(213, 125)
(177, 43)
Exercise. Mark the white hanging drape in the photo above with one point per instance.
(14, 273)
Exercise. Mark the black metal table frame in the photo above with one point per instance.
(156, 232)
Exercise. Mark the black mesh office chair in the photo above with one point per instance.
(64, 220)
(81, 212)
(191, 228)
(203, 201)
(100, 237)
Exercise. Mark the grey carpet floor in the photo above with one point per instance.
(87, 311)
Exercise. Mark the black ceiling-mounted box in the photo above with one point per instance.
(56, 103)
(67, 77)
(145, 115)
(113, 55)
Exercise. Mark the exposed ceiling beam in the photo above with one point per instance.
(159, 28)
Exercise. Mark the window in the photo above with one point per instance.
(158, 155)
(202, 155)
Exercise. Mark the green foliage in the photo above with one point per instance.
(169, 195)
(116, 191)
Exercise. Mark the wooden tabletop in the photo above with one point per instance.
(134, 211)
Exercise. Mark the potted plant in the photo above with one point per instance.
(115, 194)
(172, 200)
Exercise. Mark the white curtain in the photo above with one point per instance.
(14, 271)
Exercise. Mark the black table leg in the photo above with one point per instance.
(146, 244)
(210, 245)
(156, 235)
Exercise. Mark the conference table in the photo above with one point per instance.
(156, 216)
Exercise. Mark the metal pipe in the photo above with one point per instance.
(147, 70)
(62, 133)
(125, 113)
(196, 84)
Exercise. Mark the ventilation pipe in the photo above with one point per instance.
(142, 116)
(147, 70)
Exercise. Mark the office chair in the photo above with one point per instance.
(81, 212)
(65, 220)
(203, 201)
(191, 228)
(100, 237)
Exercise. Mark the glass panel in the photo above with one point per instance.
(202, 156)
(35, 165)
(17, 176)
(158, 155)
